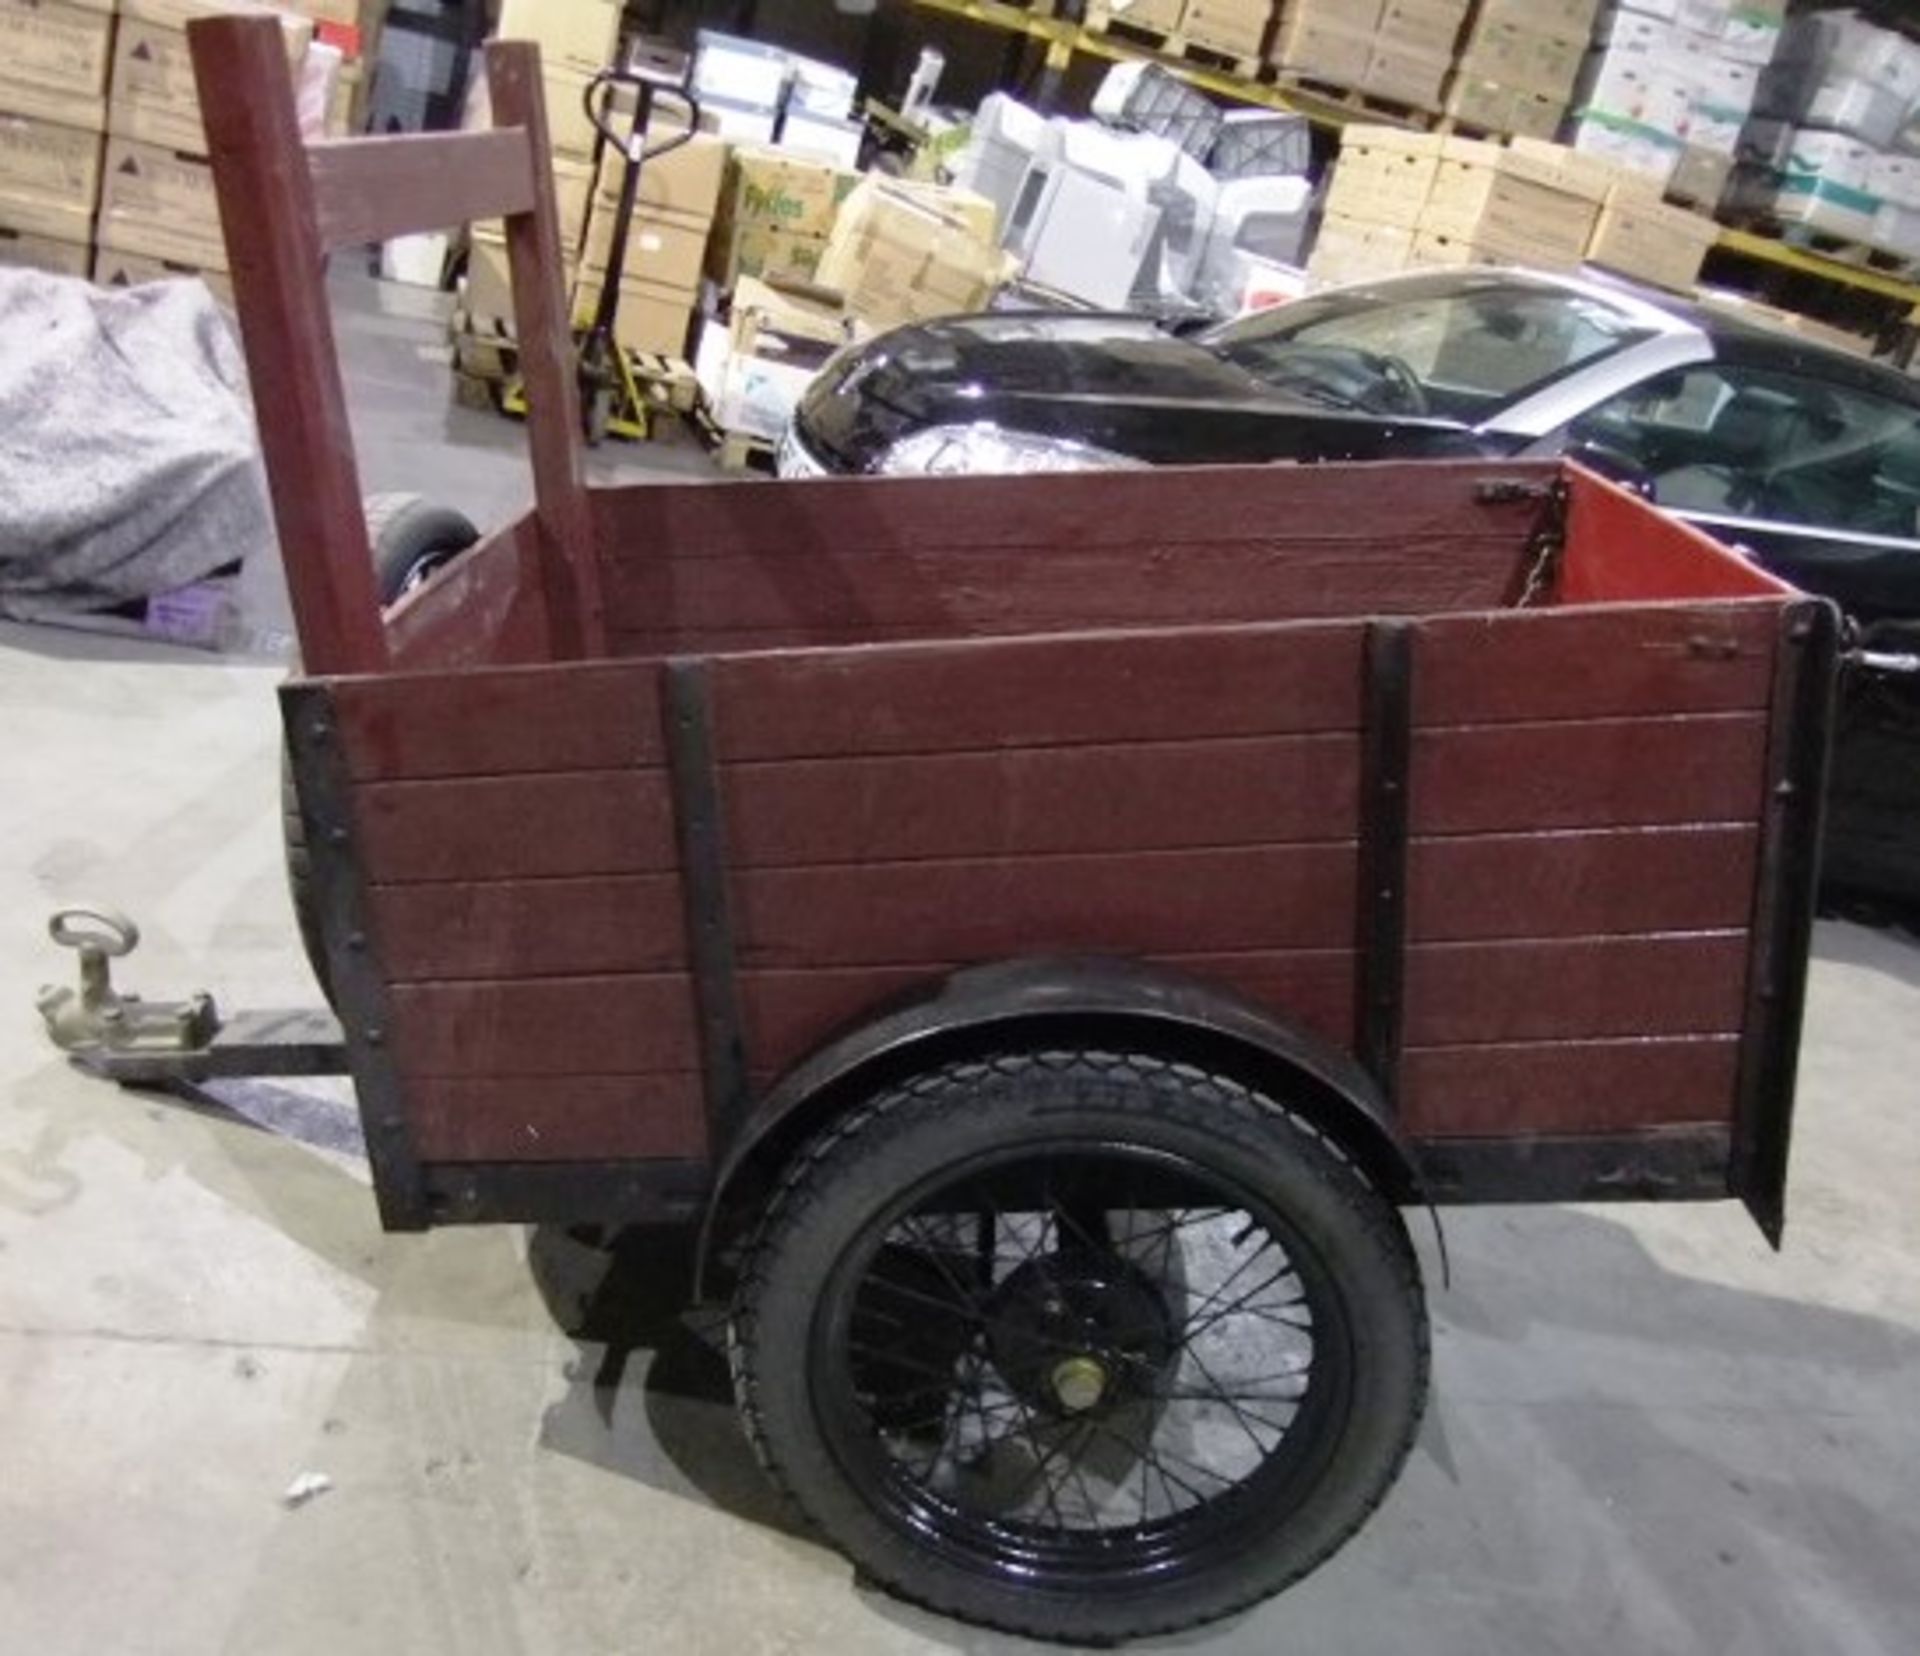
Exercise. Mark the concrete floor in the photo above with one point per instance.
(1648, 1434)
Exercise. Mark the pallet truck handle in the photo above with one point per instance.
(632, 145)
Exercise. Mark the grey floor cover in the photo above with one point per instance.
(128, 459)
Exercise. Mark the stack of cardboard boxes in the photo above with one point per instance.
(776, 211)
(1670, 85)
(577, 38)
(904, 252)
(1519, 64)
(1401, 51)
(53, 81)
(1233, 28)
(1403, 200)
(673, 214)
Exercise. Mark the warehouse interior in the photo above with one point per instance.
(1385, 328)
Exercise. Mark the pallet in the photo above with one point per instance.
(486, 360)
(1840, 249)
(1360, 103)
(1174, 45)
(734, 451)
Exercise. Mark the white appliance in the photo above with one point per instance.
(1000, 147)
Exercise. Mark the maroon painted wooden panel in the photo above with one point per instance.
(934, 591)
(598, 717)
(1691, 984)
(517, 827)
(546, 1026)
(485, 609)
(1132, 797)
(1034, 692)
(1567, 1086)
(1590, 664)
(1150, 903)
(1378, 510)
(372, 189)
(1589, 775)
(541, 928)
(790, 1013)
(569, 1118)
(1576, 884)
(1617, 550)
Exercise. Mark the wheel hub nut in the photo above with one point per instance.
(1079, 1383)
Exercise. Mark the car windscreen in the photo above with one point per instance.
(1460, 352)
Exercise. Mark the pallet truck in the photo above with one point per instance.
(612, 401)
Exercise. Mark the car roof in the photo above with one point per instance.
(1747, 339)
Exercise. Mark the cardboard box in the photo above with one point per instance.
(50, 161)
(1642, 237)
(651, 318)
(165, 198)
(1522, 58)
(64, 45)
(1236, 28)
(580, 34)
(1644, 150)
(129, 267)
(1162, 16)
(1383, 175)
(1350, 250)
(769, 254)
(1483, 103)
(1427, 28)
(908, 254)
(756, 370)
(663, 251)
(684, 184)
(1513, 204)
(1324, 46)
(26, 251)
(1700, 177)
(154, 98)
(785, 192)
(1567, 19)
(1404, 75)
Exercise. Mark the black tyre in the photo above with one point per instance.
(411, 539)
(1080, 1345)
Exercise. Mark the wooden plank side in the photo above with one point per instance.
(1144, 903)
(371, 189)
(448, 931)
(1529, 665)
(787, 595)
(1578, 884)
(1567, 1086)
(602, 716)
(547, 1026)
(1039, 692)
(1593, 773)
(813, 525)
(485, 609)
(575, 1117)
(792, 1012)
(517, 827)
(1619, 550)
(1141, 796)
(1683, 984)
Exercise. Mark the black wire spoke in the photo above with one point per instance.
(887, 1355)
(1239, 1415)
(1195, 1329)
(1149, 1458)
(1269, 1314)
(933, 1250)
(1221, 1289)
(921, 1297)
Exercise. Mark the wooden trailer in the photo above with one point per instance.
(1043, 927)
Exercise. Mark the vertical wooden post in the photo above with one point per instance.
(569, 559)
(279, 278)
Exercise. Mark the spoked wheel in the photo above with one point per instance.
(1080, 1345)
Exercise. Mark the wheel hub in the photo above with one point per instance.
(1071, 1333)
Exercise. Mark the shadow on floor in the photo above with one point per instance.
(1539, 1292)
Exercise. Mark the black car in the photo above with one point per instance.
(1803, 456)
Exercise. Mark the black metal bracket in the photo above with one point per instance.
(701, 828)
(1799, 737)
(359, 990)
(1386, 762)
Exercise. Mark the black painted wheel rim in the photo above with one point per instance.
(1072, 1366)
